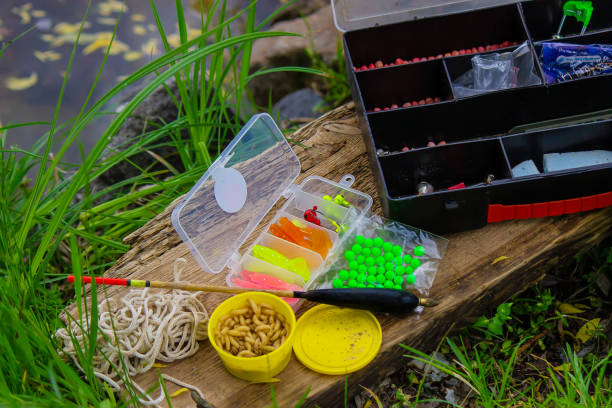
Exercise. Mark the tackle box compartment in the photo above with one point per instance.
(483, 135)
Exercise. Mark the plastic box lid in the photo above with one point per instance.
(236, 192)
(350, 15)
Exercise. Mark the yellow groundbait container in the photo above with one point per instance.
(261, 367)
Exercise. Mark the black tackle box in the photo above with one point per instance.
(478, 139)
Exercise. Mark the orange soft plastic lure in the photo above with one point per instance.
(304, 236)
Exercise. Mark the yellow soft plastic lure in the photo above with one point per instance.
(296, 265)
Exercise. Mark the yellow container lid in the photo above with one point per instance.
(334, 340)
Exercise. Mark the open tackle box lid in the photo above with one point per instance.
(350, 15)
(236, 192)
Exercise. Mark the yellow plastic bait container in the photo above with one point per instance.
(261, 367)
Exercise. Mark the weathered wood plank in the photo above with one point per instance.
(467, 284)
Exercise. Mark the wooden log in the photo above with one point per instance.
(468, 283)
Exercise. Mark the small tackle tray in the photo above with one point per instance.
(228, 202)
(486, 134)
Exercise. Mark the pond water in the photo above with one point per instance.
(32, 68)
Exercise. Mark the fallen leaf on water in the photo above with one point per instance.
(158, 365)
(106, 8)
(45, 56)
(107, 20)
(178, 392)
(102, 41)
(47, 37)
(139, 18)
(499, 259)
(85, 38)
(588, 330)
(19, 84)
(150, 47)
(23, 12)
(132, 55)
(39, 13)
(566, 308)
(152, 27)
(139, 30)
(67, 28)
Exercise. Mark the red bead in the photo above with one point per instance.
(481, 49)
(376, 109)
(455, 53)
(431, 57)
(405, 149)
(371, 66)
(363, 68)
(447, 54)
(394, 106)
(441, 143)
(406, 105)
(399, 61)
(422, 102)
(436, 99)
(474, 50)
(415, 59)
(428, 100)
(379, 64)
(386, 108)
(430, 144)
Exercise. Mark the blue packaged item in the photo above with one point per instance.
(562, 62)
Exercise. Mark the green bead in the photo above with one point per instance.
(368, 242)
(388, 284)
(398, 280)
(409, 270)
(361, 285)
(361, 278)
(400, 270)
(353, 265)
(372, 270)
(362, 269)
(419, 250)
(398, 287)
(376, 251)
(388, 256)
(407, 259)
(380, 261)
(410, 279)
(369, 261)
(352, 283)
(360, 259)
(370, 286)
(415, 263)
(389, 275)
(343, 274)
(359, 239)
(378, 241)
(366, 252)
(337, 283)
(352, 274)
(380, 278)
(357, 248)
(397, 250)
(389, 266)
(349, 255)
(387, 247)
(381, 270)
(371, 279)
(398, 260)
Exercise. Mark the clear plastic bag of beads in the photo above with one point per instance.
(376, 252)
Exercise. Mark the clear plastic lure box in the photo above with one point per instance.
(228, 202)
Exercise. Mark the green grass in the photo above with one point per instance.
(54, 224)
(529, 352)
